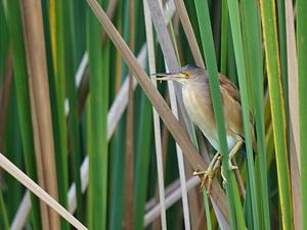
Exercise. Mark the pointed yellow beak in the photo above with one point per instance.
(169, 76)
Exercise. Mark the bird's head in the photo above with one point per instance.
(187, 74)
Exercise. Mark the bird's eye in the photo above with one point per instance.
(186, 75)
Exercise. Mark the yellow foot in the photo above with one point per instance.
(207, 176)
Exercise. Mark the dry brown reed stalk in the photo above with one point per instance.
(38, 159)
(129, 159)
(160, 105)
(38, 191)
(37, 72)
(171, 198)
(293, 113)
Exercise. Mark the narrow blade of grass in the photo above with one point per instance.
(281, 25)
(207, 211)
(142, 162)
(71, 92)
(253, 50)
(4, 222)
(224, 34)
(98, 154)
(268, 19)
(302, 82)
(60, 72)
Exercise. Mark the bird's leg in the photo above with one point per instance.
(208, 175)
(233, 152)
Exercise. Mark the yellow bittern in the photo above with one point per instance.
(197, 101)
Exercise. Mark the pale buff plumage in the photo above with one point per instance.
(197, 101)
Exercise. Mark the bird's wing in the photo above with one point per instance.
(229, 87)
(232, 108)
(232, 113)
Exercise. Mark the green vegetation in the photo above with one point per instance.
(104, 135)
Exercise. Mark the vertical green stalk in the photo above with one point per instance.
(143, 156)
(224, 34)
(117, 158)
(207, 210)
(209, 50)
(117, 177)
(12, 148)
(283, 47)
(269, 25)
(231, 63)
(13, 19)
(254, 65)
(99, 91)
(4, 222)
(4, 42)
(73, 129)
(117, 145)
(60, 125)
(234, 14)
(302, 78)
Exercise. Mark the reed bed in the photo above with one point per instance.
(90, 140)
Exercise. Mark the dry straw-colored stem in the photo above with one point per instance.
(129, 159)
(40, 106)
(38, 191)
(169, 201)
(293, 113)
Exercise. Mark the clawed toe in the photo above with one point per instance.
(207, 176)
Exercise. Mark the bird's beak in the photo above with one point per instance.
(169, 76)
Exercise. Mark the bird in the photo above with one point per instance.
(197, 101)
